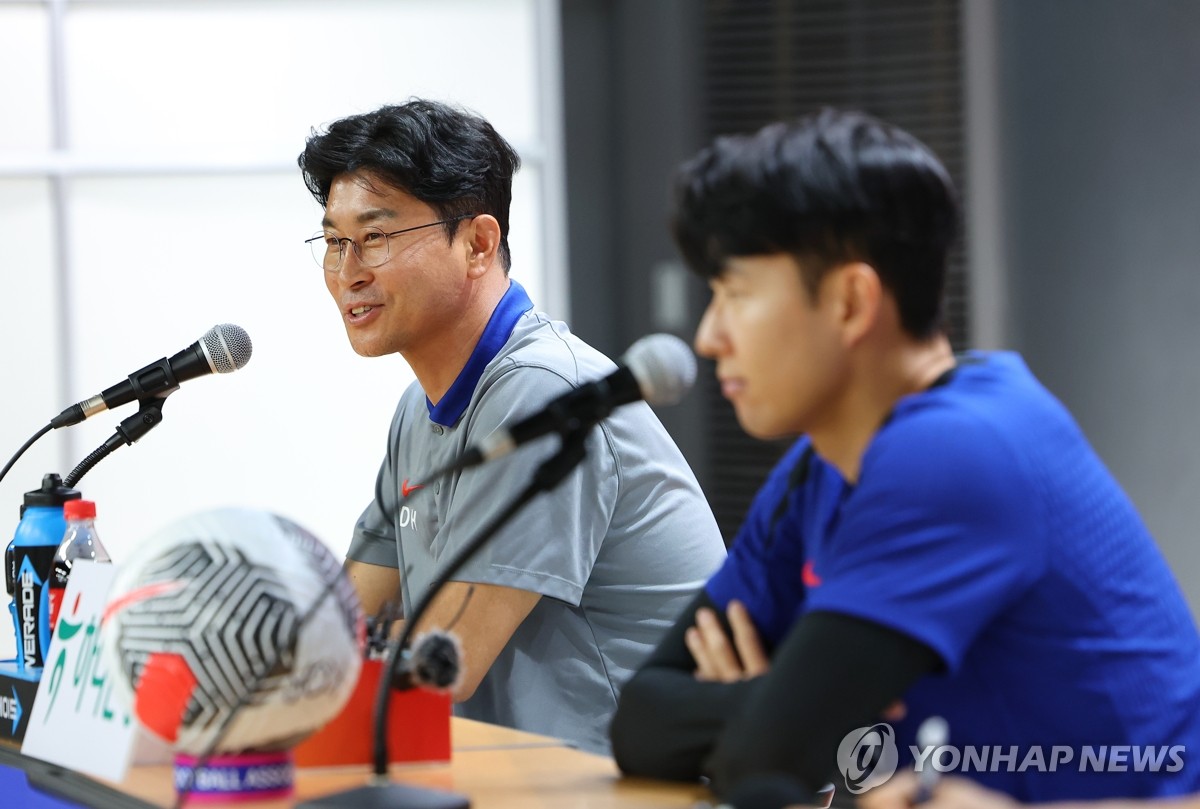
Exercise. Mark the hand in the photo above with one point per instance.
(717, 660)
(951, 792)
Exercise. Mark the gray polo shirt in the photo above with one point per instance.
(617, 550)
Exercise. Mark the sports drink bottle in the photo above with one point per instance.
(28, 564)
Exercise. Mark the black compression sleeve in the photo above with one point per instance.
(831, 674)
(666, 721)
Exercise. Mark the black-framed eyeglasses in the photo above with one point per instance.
(371, 247)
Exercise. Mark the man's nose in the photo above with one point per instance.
(709, 335)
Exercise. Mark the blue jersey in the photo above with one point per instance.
(984, 526)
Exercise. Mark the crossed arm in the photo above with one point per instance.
(711, 700)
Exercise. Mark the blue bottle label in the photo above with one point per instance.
(31, 598)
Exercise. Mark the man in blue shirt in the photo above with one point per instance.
(941, 539)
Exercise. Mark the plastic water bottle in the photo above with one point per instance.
(79, 542)
(29, 561)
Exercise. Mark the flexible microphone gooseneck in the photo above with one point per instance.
(130, 430)
(668, 374)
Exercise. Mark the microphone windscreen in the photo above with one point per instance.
(228, 347)
(436, 660)
(664, 367)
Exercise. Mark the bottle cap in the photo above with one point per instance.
(79, 509)
(52, 493)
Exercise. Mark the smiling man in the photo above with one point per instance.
(941, 540)
(562, 604)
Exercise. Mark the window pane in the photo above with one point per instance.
(184, 208)
(29, 333)
(255, 76)
(299, 430)
(25, 90)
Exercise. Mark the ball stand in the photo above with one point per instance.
(231, 778)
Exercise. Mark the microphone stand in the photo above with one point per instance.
(148, 417)
(381, 793)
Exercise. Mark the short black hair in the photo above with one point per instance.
(447, 157)
(829, 188)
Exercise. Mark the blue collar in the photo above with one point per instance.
(500, 326)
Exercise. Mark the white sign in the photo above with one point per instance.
(77, 721)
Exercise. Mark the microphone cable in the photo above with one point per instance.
(24, 447)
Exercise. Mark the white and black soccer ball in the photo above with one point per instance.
(233, 629)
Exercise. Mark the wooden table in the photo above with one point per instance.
(497, 768)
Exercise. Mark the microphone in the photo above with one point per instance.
(222, 349)
(659, 368)
(435, 662)
(932, 733)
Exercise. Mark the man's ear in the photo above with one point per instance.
(858, 299)
(482, 244)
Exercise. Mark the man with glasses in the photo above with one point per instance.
(562, 604)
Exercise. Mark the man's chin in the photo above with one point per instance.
(368, 349)
(756, 429)
(763, 429)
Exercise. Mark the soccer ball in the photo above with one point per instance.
(232, 630)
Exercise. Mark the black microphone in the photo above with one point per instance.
(222, 349)
(659, 368)
(434, 662)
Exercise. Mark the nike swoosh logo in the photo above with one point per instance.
(139, 594)
(809, 576)
(406, 490)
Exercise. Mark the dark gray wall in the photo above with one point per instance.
(630, 83)
(1089, 238)
(1099, 104)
